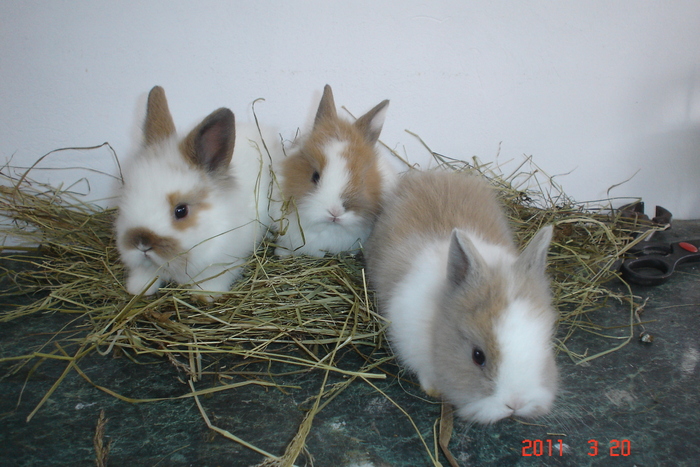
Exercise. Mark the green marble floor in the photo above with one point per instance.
(639, 405)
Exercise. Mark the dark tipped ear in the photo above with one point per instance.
(159, 123)
(463, 260)
(210, 144)
(534, 257)
(372, 122)
(326, 108)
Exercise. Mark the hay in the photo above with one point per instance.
(295, 312)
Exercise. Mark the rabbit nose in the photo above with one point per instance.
(144, 248)
(515, 404)
(147, 241)
(141, 239)
(335, 213)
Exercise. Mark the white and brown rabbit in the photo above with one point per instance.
(334, 183)
(192, 210)
(469, 316)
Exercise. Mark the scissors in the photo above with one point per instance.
(654, 262)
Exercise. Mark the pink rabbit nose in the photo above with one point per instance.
(335, 214)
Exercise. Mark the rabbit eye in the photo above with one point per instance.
(181, 211)
(315, 177)
(478, 356)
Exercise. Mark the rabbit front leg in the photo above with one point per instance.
(216, 281)
(139, 278)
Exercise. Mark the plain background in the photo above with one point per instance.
(596, 91)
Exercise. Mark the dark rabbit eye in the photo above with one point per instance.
(181, 211)
(478, 356)
(315, 177)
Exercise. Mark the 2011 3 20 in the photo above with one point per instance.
(549, 447)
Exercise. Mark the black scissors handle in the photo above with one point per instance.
(655, 262)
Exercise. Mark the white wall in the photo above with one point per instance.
(602, 88)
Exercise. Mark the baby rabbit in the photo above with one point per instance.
(333, 184)
(192, 210)
(471, 317)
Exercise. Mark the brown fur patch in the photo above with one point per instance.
(298, 170)
(141, 237)
(159, 123)
(486, 301)
(196, 203)
(434, 203)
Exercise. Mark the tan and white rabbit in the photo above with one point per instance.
(469, 316)
(333, 183)
(192, 210)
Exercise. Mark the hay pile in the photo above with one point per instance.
(294, 311)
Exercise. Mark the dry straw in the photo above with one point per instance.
(293, 313)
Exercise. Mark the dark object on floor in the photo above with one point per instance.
(654, 262)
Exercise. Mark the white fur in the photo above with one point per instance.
(412, 311)
(328, 200)
(224, 236)
(525, 343)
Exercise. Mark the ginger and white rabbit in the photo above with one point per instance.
(469, 316)
(333, 183)
(192, 210)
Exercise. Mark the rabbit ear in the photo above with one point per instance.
(534, 257)
(463, 260)
(210, 144)
(159, 123)
(371, 123)
(326, 108)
